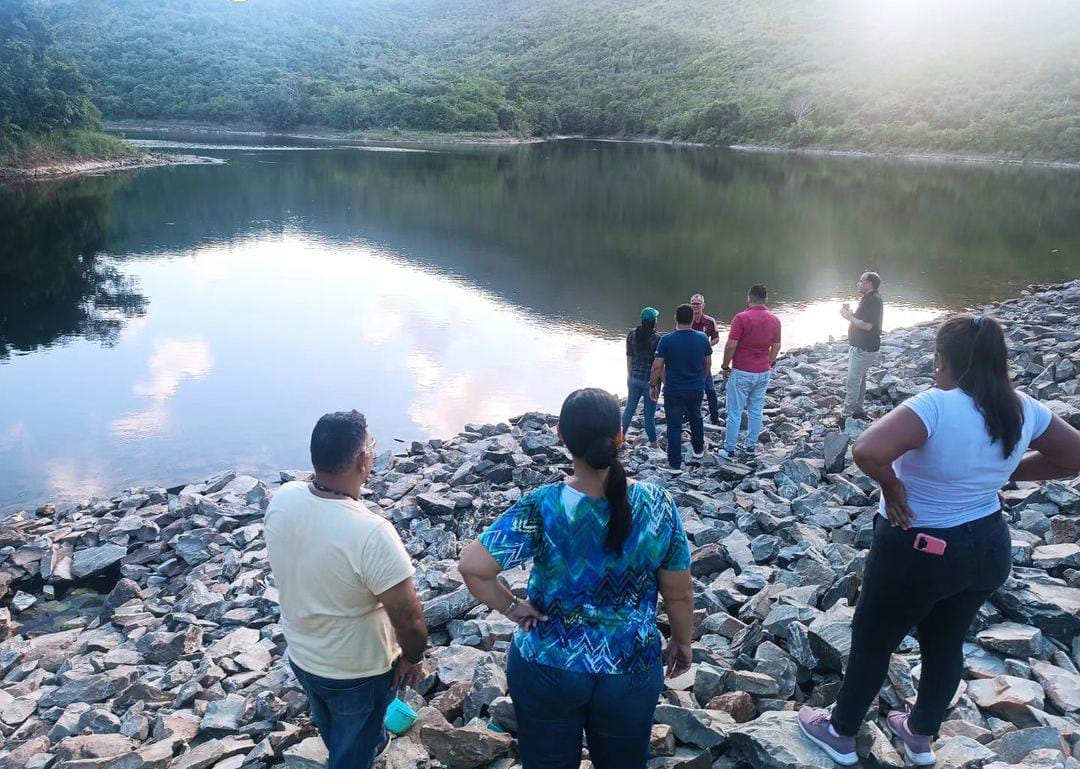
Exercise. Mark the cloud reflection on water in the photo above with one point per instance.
(172, 361)
(280, 327)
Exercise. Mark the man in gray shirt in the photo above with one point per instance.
(864, 336)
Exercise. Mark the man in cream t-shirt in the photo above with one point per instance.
(352, 620)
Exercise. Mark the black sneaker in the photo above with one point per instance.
(748, 457)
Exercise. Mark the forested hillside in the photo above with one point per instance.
(45, 106)
(39, 92)
(974, 76)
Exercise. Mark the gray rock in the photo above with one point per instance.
(94, 560)
(488, 683)
(1062, 687)
(224, 716)
(836, 446)
(701, 728)
(309, 754)
(22, 601)
(467, 748)
(502, 713)
(18, 710)
(207, 754)
(1062, 556)
(91, 746)
(804, 470)
(1009, 697)
(961, 753)
(875, 749)
(435, 504)
(1053, 608)
(457, 664)
(709, 681)
(683, 758)
(1012, 638)
(773, 741)
(92, 688)
(830, 641)
(1014, 746)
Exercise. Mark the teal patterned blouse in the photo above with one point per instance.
(601, 606)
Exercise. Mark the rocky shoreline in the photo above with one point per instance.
(82, 167)
(142, 630)
(422, 138)
(935, 158)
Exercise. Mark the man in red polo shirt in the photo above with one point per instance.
(752, 346)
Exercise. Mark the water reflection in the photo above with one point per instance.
(172, 322)
(53, 285)
(172, 361)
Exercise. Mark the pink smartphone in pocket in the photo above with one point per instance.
(924, 543)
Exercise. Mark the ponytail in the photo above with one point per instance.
(975, 351)
(642, 334)
(589, 422)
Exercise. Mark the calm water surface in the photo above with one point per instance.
(160, 325)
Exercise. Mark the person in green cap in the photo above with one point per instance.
(641, 345)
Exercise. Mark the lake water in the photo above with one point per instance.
(159, 325)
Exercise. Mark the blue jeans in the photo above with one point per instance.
(710, 396)
(745, 392)
(554, 706)
(679, 406)
(639, 388)
(349, 715)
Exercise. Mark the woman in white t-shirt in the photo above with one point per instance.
(941, 546)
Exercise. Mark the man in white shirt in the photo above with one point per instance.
(353, 623)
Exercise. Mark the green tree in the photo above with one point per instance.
(39, 93)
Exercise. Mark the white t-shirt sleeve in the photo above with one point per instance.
(927, 406)
(1038, 413)
(383, 561)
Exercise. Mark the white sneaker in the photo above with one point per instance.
(724, 454)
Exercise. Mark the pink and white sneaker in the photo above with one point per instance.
(918, 749)
(815, 725)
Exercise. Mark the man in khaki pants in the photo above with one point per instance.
(864, 336)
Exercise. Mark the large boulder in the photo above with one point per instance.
(1062, 686)
(464, 748)
(1008, 697)
(94, 560)
(1013, 639)
(693, 726)
(1049, 605)
(773, 741)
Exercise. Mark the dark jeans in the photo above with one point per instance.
(639, 390)
(554, 706)
(677, 407)
(939, 595)
(349, 715)
(710, 396)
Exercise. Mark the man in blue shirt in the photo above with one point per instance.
(683, 361)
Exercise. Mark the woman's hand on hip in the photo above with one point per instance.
(896, 506)
(526, 615)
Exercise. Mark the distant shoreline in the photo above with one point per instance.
(508, 140)
(82, 167)
(915, 157)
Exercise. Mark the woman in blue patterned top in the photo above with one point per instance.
(587, 655)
